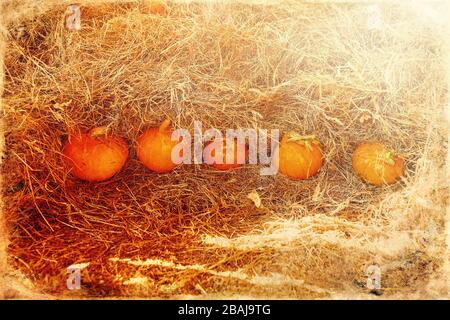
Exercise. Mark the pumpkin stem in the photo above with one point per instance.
(306, 140)
(164, 125)
(389, 158)
(98, 131)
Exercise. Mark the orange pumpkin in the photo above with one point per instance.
(154, 148)
(300, 157)
(377, 164)
(95, 156)
(154, 7)
(230, 150)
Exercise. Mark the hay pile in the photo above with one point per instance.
(194, 232)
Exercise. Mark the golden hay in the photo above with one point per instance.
(196, 232)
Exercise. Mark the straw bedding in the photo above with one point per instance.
(313, 68)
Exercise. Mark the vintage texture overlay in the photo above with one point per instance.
(346, 72)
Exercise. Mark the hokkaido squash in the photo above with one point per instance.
(300, 157)
(230, 148)
(154, 148)
(377, 164)
(96, 155)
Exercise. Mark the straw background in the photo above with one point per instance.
(288, 65)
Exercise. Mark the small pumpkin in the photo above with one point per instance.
(231, 149)
(96, 155)
(377, 164)
(300, 157)
(154, 7)
(154, 148)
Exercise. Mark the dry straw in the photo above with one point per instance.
(312, 68)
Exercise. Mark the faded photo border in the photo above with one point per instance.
(14, 285)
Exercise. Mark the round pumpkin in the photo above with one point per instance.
(154, 7)
(377, 164)
(300, 157)
(96, 155)
(231, 149)
(154, 148)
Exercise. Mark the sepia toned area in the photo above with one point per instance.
(347, 73)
